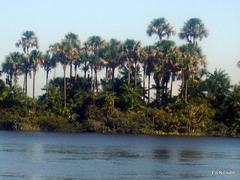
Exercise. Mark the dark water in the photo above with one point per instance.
(93, 156)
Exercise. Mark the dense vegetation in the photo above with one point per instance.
(121, 87)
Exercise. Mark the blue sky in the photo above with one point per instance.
(52, 19)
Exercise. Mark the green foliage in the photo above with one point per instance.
(123, 101)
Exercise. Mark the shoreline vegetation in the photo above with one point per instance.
(120, 87)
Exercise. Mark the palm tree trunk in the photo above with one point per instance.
(106, 74)
(75, 72)
(149, 76)
(11, 80)
(95, 79)
(65, 85)
(113, 76)
(47, 72)
(171, 86)
(23, 87)
(162, 84)
(144, 77)
(26, 83)
(92, 81)
(135, 73)
(34, 75)
(129, 72)
(186, 90)
(85, 69)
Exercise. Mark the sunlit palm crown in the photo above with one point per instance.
(27, 41)
(161, 28)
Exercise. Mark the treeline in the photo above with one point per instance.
(121, 87)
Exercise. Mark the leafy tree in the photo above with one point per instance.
(232, 111)
(35, 60)
(217, 86)
(131, 53)
(48, 63)
(161, 28)
(28, 42)
(94, 45)
(192, 65)
(12, 68)
(193, 30)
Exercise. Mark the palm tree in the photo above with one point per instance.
(94, 44)
(11, 67)
(192, 64)
(35, 59)
(193, 30)
(148, 58)
(161, 28)
(164, 48)
(76, 64)
(131, 54)
(218, 85)
(85, 57)
(28, 41)
(111, 53)
(73, 42)
(60, 54)
(48, 63)
(173, 65)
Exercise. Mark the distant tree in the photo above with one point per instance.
(192, 65)
(94, 45)
(131, 55)
(35, 59)
(28, 42)
(48, 63)
(193, 30)
(11, 67)
(73, 42)
(161, 28)
(218, 86)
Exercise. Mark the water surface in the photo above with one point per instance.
(96, 156)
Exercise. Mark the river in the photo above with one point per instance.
(54, 156)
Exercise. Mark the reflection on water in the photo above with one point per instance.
(93, 156)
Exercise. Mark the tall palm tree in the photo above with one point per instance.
(94, 44)
(35, 59)
(162, 29)
(148, 58)
(28, 41)
(193, 30)
(163, 68)
(73, 42)
(85, 56)
(173, 64)
(131, 54)
(111, 53)
(25, 66)
(192, 65)
(11, 67)
(77, 63)
(48, 63)
(59, 51)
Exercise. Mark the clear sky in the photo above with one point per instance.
(52, 19)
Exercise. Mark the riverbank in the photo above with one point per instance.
(50, 123)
